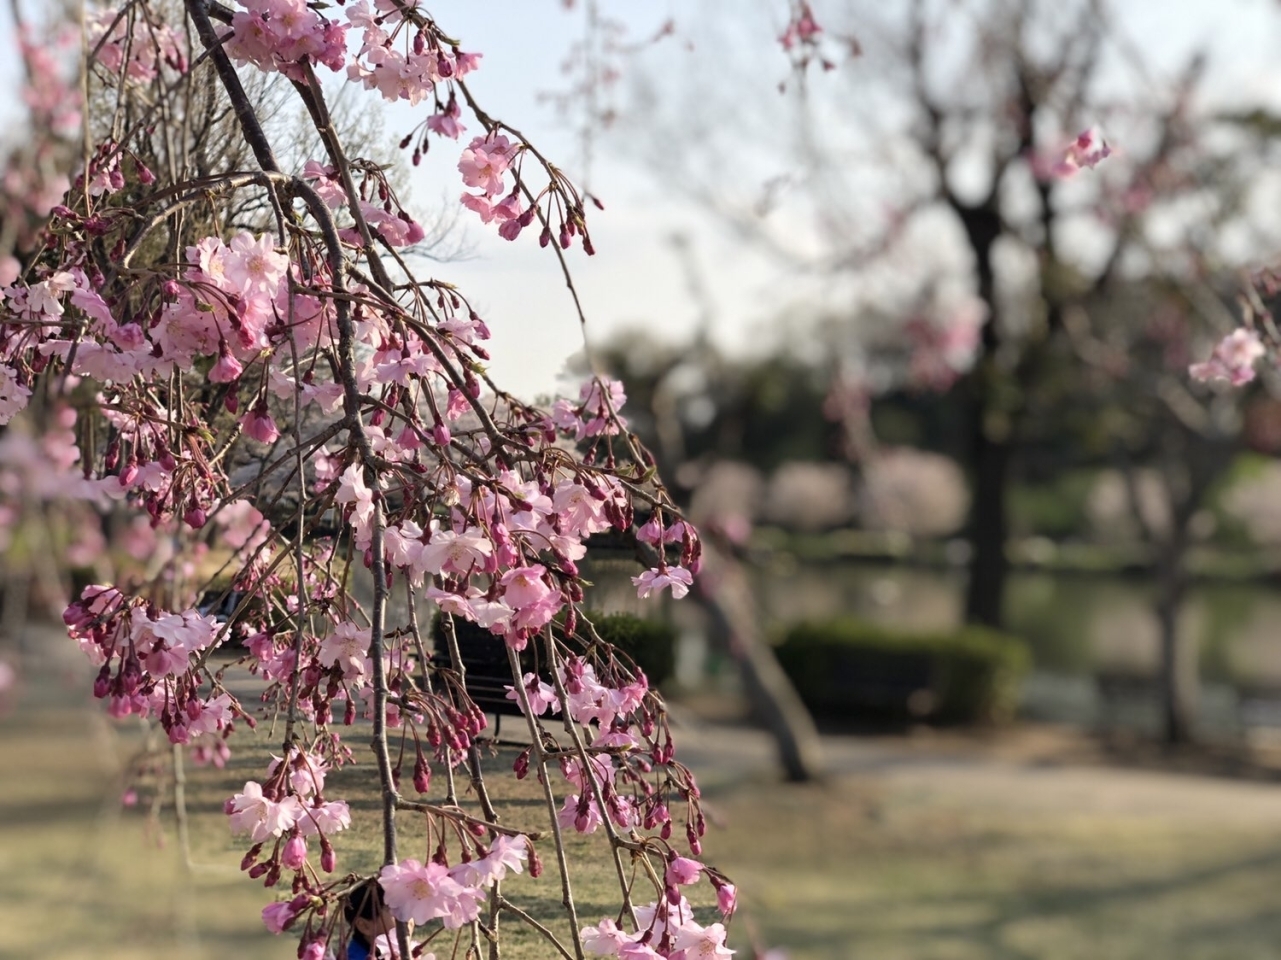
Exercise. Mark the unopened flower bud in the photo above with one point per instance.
(422, 775)
(251, 856)
(295, 853)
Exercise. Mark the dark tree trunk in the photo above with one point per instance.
(990, 430)
(1179, 679)
(988, 527)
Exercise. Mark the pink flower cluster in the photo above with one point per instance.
(14, 394)
(274, 35)
(802, 28)
(289, 809)
(596, 412)
(622, 719)
(678, 577)
(484, 165)
(147, 49)
(1233, 359)
(146, 664)
(667, 929)
(489, 538)
(418, 893)
(390, 449)
(398, 66)
(1089, 149)
(233, 304)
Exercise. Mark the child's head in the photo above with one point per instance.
(367, 913)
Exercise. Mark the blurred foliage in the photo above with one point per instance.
(1055, 509)
(850, 669)
(690, 402)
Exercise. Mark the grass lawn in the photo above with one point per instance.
(921, 856)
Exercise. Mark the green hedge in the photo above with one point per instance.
(849, 669)
(651, 643)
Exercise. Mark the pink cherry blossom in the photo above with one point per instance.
(417, 893)
(578, 814)
(605, 939)
(1233, 359)
(445, 122)
(726, 898)
(277, 917)
(524, 586)
(13, 394)
(485, 161)
(651, 581)
(450, 552)
(506, 853)
(702, 942)
(327, 818)
(259, 425)
(1087, 150)
(682, 870)
(227, 369)
(253, 265)
(251, 812)
(295, 853)
(347, 646)
(541, 695)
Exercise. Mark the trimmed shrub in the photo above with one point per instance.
(651, 643)
(851, 670)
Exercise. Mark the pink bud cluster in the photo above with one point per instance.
(628, 744)
(147, 663)
(403, 55)
(287, 810)
(802, 39)
(484, 165)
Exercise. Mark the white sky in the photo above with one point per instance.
(635, 279)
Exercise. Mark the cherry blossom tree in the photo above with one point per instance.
(978, 170)
(253, 359)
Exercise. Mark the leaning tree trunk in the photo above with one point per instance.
(724, 592)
